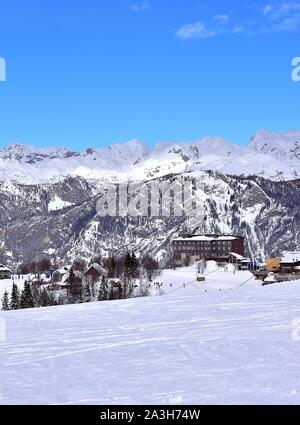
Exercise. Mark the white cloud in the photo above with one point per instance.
(221, 19)
(289, 24)
(196, 30)
(140, 7)
(237, 29)
(219, 25)
(282, 16)
(279, 10)
(267, 9)
(274, 17)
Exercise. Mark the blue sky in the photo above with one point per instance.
(94, 72)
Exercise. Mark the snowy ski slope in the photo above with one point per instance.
(225, 345)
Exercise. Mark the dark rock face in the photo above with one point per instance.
(60, 220)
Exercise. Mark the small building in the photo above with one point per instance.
(235, 258)
(191, 248)
(5, 273)
(240, 261)
(77, 278)
(273, 265)
(39, 282)
(58, 275)
(114, 286)
(245, 264)
(114, 282)
(95, 272)
(290, 262)
(270, 279)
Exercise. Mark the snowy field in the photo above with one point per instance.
(207, 343)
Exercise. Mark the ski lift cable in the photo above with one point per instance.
(197, 286)
(190, 283)
(239, 286)
(180, 287)
(213, 271)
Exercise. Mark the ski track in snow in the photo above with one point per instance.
(191, 346)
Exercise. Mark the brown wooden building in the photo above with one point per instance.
(188, 249)
(290, 262)
(94, 273)
(5, 273)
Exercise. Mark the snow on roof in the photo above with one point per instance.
(67, 275)
(207, 238)
(4, 269)
(237, 256)
(97, 267)
(271, 278)
(63, 270)
(40, 281)
(290, 257)
(114, 281)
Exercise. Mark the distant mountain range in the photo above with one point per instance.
(269, 154)
(48, 197)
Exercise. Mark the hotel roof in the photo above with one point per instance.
(207, 238)
(290, 257)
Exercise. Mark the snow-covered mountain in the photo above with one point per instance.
(272, 155)
(60, 220)
(48, 197)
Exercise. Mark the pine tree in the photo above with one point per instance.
(131, 266)
(103, 291)
(72, 277)
(14, 298)
(120, 290)
(74, 287)
(36, 293)
(150, 265)
(26, 297)
(111, 266)
(134, 266)
(87, 294)
(127, 265)
(5, 301)
(45, 300)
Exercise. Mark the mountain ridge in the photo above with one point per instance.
(60, 220)
(48, 197)
(272, 155)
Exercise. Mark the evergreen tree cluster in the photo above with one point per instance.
(27, 298)
(131, 266)
(119, 283)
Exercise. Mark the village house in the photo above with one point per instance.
(290, 262)
(94, 273)
(273, 265)
(235, 258)
(5, 273)
(188, 249)
(76, 278)
(240, 261)
(59, 274)
(114, 286)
